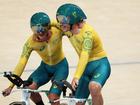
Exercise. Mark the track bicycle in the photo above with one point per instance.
(65, 100)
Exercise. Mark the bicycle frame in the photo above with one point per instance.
(64, 101)
(26, 96)
(73, 101)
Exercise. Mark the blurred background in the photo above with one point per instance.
(117, 23)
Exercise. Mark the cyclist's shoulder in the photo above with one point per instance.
(55, 24)
(30, 43)
(29, 39)
(89, 31)
(88, 27)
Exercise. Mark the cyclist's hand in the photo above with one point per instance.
(74, 83)
(7, 91)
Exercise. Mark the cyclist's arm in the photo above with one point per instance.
(83, 60)
(22, 61)
(54, 23)
(84, 56)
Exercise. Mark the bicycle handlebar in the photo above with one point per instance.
(66, 85)
(15, 79)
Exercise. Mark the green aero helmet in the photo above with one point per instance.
(70, 14)
(40, 18)
(39, 21)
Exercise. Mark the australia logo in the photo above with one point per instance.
(42, 48)
(97, 75)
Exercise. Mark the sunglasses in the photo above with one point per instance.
(39, 29)
(63, 19)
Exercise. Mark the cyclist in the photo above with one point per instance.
(47, 42)
(93, 68)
